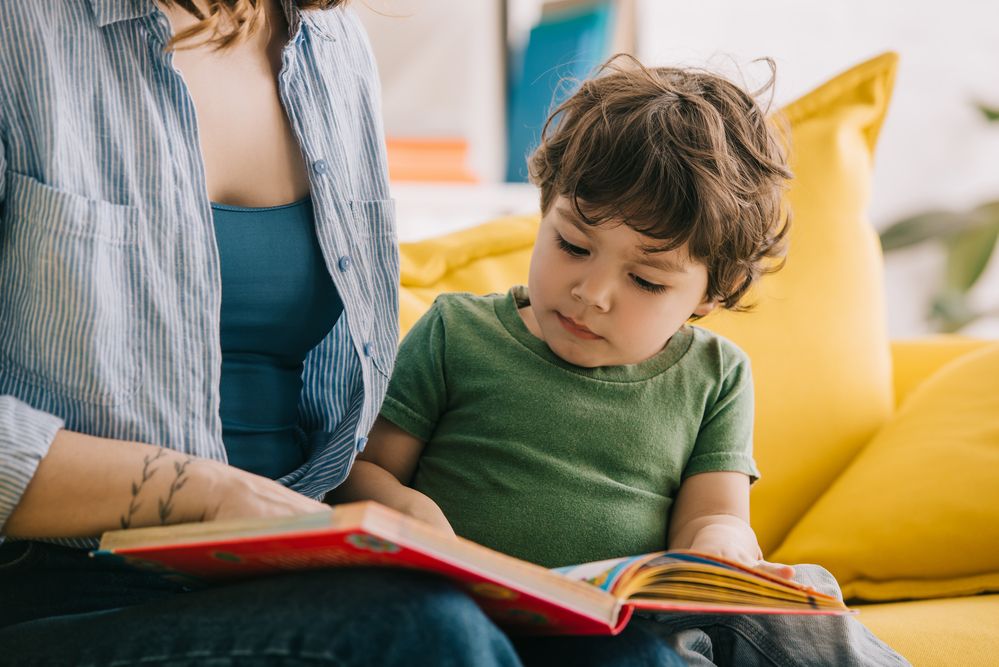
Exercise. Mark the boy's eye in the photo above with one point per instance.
(573, 250)
(647, 286)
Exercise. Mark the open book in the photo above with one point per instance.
(595, 598)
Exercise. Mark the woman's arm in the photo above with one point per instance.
(383, 471)
(86, 485)
(711, 515)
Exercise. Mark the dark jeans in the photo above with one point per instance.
(58, 607)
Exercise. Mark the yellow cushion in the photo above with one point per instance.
(917, 514)
(954, 632)
(484, 259)
(917, 358)
(818, 339)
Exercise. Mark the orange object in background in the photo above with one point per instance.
(428, 160)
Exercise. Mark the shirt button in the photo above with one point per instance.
(361, 443)
(344, 263)
(369, 349)
(320, 166)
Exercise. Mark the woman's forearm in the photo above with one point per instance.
(86, 485)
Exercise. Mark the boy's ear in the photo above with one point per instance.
(705, 307)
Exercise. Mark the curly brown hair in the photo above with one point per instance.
(682, 156)
(229, 22)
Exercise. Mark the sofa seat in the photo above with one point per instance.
(948, 632)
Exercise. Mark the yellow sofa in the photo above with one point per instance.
(862, 471)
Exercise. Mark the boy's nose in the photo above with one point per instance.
(593, 292)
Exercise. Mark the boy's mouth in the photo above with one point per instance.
(577, 330)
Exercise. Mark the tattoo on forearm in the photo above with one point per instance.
(147, 473)
(165, 506)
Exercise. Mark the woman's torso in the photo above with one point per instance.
(104, 183)
(278, 302)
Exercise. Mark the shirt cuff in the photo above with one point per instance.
(722, 462)
(25, 437)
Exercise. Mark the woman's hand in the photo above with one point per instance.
(231, 493)
(87, 485)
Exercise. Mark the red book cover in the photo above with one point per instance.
(523, 597)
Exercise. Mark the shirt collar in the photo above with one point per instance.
(112, 11)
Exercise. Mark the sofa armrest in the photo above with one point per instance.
(917, 358)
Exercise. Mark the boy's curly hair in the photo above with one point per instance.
(680, 155)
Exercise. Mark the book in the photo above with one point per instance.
(524, 598)
(572, 38)
(424, 159)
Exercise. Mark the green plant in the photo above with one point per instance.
(969, 239)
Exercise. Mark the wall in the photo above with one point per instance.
(935, 151)
(441, 64)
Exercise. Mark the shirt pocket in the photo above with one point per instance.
(375, 222)
(67, 273)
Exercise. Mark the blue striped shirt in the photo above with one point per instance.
(109, 272)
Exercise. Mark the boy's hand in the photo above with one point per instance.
(711, 516)
(370, 481)
(417, 505)
(738, 544)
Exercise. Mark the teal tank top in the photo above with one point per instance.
(278, 302)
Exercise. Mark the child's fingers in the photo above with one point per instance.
(776, 569)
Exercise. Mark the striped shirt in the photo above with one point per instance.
(110, 289)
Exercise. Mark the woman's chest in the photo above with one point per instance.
(250, 152)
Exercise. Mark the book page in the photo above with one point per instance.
(604, 574)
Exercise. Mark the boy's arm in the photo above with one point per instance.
(382, 472)
(711, 515)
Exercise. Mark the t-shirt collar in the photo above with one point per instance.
(518, 296)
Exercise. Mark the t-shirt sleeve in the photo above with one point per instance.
(725, 439)
(417, 392)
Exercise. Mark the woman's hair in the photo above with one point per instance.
(229, 22)
(682, 156)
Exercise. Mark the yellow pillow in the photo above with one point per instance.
(916, 359)
(818, 339)
(484, 259)
(917, 514)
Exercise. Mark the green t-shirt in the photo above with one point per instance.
(554, 463)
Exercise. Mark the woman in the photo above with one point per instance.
(198, 302)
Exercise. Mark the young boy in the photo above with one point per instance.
(580, 418)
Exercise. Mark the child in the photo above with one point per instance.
(580, 418)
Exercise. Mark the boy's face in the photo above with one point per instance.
(599, 299)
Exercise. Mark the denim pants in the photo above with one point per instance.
(58, 607)
(775, 640)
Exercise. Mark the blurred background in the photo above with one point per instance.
(467, 85)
